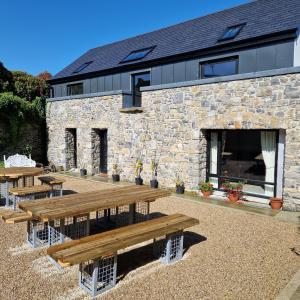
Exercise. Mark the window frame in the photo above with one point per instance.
(82, 67)
(240, 28)
(69, 86)
(126, 60)
(216, 61)
(237, 179)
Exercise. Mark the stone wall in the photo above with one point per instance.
(173, 123)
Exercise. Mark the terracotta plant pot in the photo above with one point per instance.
(206, 194)
(233, 197)
(276, 203)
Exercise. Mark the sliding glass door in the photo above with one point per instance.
(243, 155)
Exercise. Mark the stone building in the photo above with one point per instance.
(215, 105)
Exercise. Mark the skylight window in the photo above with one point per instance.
(231, 32)
(137, 54)
(83, 66)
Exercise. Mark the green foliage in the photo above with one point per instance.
(22, 102)
(27, 150)
(29, 87)
(6, 79)
(1, 164)
(17, 112)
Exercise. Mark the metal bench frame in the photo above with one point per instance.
(99, 275)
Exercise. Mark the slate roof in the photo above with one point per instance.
(262, 17)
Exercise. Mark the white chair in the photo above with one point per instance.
(18, 160)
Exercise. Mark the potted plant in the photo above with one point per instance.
(179, 186)
(276, 203)
(116, 173)
(138, 171)
(233, 190)
(83, 171)
(154, 181)
(206, 189)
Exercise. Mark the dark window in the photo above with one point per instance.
(136, 55)
(75, 89)
(138, 81)
(83, 66)
(219, 68)
(231, 32)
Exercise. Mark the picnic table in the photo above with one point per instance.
(15, 177)
(54, 219)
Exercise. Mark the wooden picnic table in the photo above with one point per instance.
(69, 216)
(47, 210)
(10, 178)
(17, 172)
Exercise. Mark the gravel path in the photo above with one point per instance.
(231, 254)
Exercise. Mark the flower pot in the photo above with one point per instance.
(276, 203)
(138, 181)
(154, 184)
(83, 172)
(234, 197)
(206, 194)
(115, 177)
(179, 189)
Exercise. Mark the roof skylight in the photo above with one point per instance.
(231, 32)
(137, 54)
(83, 66)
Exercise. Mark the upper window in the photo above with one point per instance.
(231, 32)
(83, 66)
(75, 89)
(137, 54)
(219, 68)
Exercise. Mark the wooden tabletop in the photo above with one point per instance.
(14, 173)
(29, 190)
(72, 205)
(109, 242)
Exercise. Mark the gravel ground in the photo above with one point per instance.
(231, 254)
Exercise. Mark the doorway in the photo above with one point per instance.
(99, 150)
(71, 148)
(248, 156)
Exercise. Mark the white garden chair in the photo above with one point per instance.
(18, 160)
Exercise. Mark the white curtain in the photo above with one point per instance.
(268, 146)
(214, 158)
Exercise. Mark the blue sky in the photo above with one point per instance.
(38, 35)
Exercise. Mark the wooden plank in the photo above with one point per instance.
(106, 243)
(23, 191)
(51, 209)
(13, 217)
(20, 172)
(51, 180)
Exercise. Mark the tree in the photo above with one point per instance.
(29, 87)
(6, 79)
(44, 75)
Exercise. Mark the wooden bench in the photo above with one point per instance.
(55, 184)
(13, 217)
(28, 193)
(97, 254)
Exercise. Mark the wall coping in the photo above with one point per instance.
(268, 73)
(101, 94)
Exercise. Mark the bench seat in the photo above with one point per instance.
(56, 184)
(30, 190)
(28, 193)
(93, 252)
(13, 217)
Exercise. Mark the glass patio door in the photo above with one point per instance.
(243, 155)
